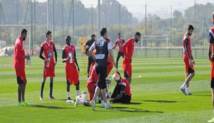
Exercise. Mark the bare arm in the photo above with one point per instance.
(112, 57)
(91, 52)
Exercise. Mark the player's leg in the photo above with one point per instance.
(51, 88)
(212, 92)
(77, 88)
(125, 99)
(68, 89)
(122, 54)
(19, 82)
(116, 92)
(118, 57)
(23, 91)
(127, 70)
(89, 65)
(42, 86)
(188, 79)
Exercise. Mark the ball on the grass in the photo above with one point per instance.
(139, 76)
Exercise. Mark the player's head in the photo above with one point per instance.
(119, 35)
(190, 30)
(24, 34)
(93, 36)
(68, 40)
(137, 36)
(213, 17)
(117, 77)
(104, 33)
(49, 35)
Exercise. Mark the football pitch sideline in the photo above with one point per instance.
(156, 95)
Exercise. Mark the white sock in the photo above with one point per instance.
(184, 85)
(68, 94)
(78, 92)
(187, 90)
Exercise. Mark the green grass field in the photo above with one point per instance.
(156, 96)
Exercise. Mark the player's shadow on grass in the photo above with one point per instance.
(47, 107)
(163, 101)
(126, 109)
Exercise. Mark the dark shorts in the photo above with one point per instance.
(212, 83)
(101, 72)
(20, 81)
(191, 70)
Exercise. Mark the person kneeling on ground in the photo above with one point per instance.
(122, 91)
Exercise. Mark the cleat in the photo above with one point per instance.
(21, 104)
(69, 101)
(41, 98)
(25, 103)
(102, 105)
(107, 106)
(189, 93)
(52, 98)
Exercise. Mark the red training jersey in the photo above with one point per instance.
(128, 48)
(187, 46)
(19, 53)
(212, 32)
(125, 83)
(69, 50)
(119, 43)
(48, 51)
(93, 78)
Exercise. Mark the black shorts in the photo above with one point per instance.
(212, 83)
(101, 72)
(190, 70)
(125, 99)
(20, 81)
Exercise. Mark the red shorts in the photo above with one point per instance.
(21, 73)
(127, 67)
(189, 68)
(212, 71)
(72, 74)
(49, 72)
(91, 90)
(109, 68)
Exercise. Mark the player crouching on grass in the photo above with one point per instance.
(71, 67)
(122, 91)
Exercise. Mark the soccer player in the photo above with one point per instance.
(128, 48)
(122, 91)
(48, 49)
(211, 58)
(103, 48)
(188, 60)
(19, 65)
(71, 67)
(87, 46)
(119, 42)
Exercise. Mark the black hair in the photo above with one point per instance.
(68, 37)
(190, 27)
(119, 33)
(24, 31)
(48, 32)
(103, 31)
(138, 34)
(93, 35)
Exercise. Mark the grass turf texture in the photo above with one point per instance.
(156, 95)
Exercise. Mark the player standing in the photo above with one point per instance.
(188, 60)
(87, 46)
(128, 48)
(103, 48)
(19, 65)
(70, 60)
(48, 48)
(211, 57)
(119, 42)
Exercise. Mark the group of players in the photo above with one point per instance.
(101, 61)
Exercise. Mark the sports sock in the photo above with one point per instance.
(184, 85)
(187, 90)
(68, 94)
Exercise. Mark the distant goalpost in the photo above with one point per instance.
(13, 31)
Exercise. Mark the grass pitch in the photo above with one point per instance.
(156, 95)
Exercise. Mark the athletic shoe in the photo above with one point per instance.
(52, 98)
(107, 106)
(25, 103)
(93, 105)
(41, 98)
(69, 101)
(189, 93)
(77, 102)
(183, 90)
(21, 104)
(211, 121)
(102, 105)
